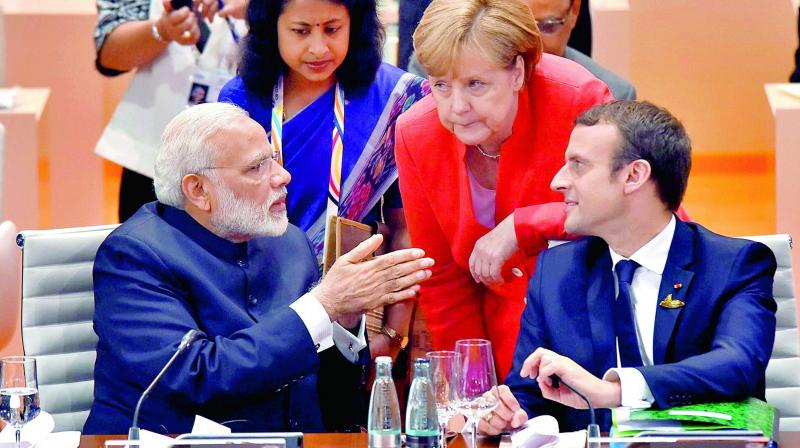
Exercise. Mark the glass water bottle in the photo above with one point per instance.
(422, 425)
(384, 409)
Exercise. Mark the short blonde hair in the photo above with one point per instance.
(500, 29)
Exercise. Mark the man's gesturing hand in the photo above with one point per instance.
(357, 283)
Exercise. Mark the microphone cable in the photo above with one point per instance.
(593, 431)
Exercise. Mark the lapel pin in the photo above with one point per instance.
(671, 303)
(678, 285)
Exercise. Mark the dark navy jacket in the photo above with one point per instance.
(715, 348)
(255, 365)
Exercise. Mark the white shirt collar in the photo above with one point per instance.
(653, 255)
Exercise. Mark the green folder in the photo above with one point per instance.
(751, 414)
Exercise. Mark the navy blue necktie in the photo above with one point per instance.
(624, 326)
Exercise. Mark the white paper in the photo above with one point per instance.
(575, 439)
(205, 426)
(538, 432)
(155, 440)
(36, 429)
(649, 425)
(38, 433)
(709, 414)
(63, 439)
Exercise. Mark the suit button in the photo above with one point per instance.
(517, 272)
(241, 263)
(253, 300)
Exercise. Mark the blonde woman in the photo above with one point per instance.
(475, 161)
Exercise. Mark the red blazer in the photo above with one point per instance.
(438, 205)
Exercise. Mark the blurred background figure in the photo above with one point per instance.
(160, 42)
(475, 161)
(410, 15)
(557, 21)
(581, 37)
(411, 12)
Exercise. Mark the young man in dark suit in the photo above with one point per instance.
(647, 310)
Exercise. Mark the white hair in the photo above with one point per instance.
(186, 147)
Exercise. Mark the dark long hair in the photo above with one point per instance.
(261, 62)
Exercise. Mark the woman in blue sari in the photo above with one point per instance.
(311, 75)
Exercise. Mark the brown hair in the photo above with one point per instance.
(650, 133)
(500, 29)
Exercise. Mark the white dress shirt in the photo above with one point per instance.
(652, 257)
(325, 333)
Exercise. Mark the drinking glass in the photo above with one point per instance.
(477, 387)
(19, 392)
(445, 374)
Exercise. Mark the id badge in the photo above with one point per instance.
(205, 86)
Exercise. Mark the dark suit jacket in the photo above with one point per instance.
(410, 12)
(255, 365)
(715, 348)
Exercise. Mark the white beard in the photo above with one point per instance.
(241, 219)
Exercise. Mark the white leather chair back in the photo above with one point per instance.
(57, 312)
(10, 323)
(783, 371)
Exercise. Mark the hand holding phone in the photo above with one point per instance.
(178, 4)
(204, 10)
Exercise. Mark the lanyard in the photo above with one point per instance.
(337, 145)
(234, 34)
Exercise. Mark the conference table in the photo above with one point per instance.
(789, 439)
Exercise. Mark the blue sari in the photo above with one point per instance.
(369, 171)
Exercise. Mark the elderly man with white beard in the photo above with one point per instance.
(279, 349)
